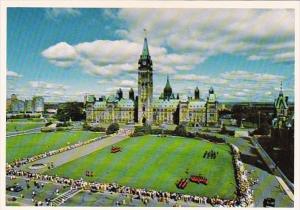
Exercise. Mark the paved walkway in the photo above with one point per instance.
(17, 133)
(73, 154)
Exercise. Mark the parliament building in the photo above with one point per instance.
(167, 109)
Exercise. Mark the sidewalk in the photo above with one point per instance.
(17, 133)
(69, 155)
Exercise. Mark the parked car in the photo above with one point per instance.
(14, 188)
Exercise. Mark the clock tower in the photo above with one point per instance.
(145, 86)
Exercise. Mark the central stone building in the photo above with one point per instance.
(145, 109)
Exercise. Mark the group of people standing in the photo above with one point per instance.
(210, 154)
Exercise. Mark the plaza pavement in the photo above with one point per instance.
(73, 154)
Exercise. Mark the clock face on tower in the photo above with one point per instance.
(144, 63)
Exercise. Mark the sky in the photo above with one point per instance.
(63, 54)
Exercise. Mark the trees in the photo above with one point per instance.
(70, 110)
(112, 128)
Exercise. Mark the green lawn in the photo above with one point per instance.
(30, 144)
(22, 126)
(157, 163)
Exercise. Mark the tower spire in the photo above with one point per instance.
(145, 52)
(281, 92)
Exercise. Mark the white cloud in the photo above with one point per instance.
(42, 85)
(209, 32)
(61, 54)
(107, 58)
(190, 77)
(251, 76)
(55, 13)
(13, 74)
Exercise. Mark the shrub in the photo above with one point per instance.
(63, 129)
(97, 129)
(145, 129)
(86, 126)
(63, 124)
(137, 134)
(48, 123)
(112, 128)
(180, 130)
(47, 129)
(156, 131)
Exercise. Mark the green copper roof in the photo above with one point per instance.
(168, 86)
(145, 52)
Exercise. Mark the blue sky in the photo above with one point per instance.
(63, 54)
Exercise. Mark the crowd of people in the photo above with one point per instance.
(210, 154)
(27, 160)
(142, 194)
(245, 193)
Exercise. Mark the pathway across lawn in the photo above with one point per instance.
(22, 146)
(22, 126)
(158, 163)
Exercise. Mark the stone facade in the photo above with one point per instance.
(164, 110)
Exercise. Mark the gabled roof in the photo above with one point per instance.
(161, 104)
(281, 101)
(111, 99)
(126, 103)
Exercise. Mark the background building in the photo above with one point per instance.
(38, 104)
(16, 106)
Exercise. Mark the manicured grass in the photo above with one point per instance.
(157, 163)
(22, 126)
(31, 144)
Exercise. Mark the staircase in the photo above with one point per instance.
(65, 196)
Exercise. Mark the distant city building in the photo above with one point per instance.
(167, 109)
(16, 106)
(38, 104)
(28, 106)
